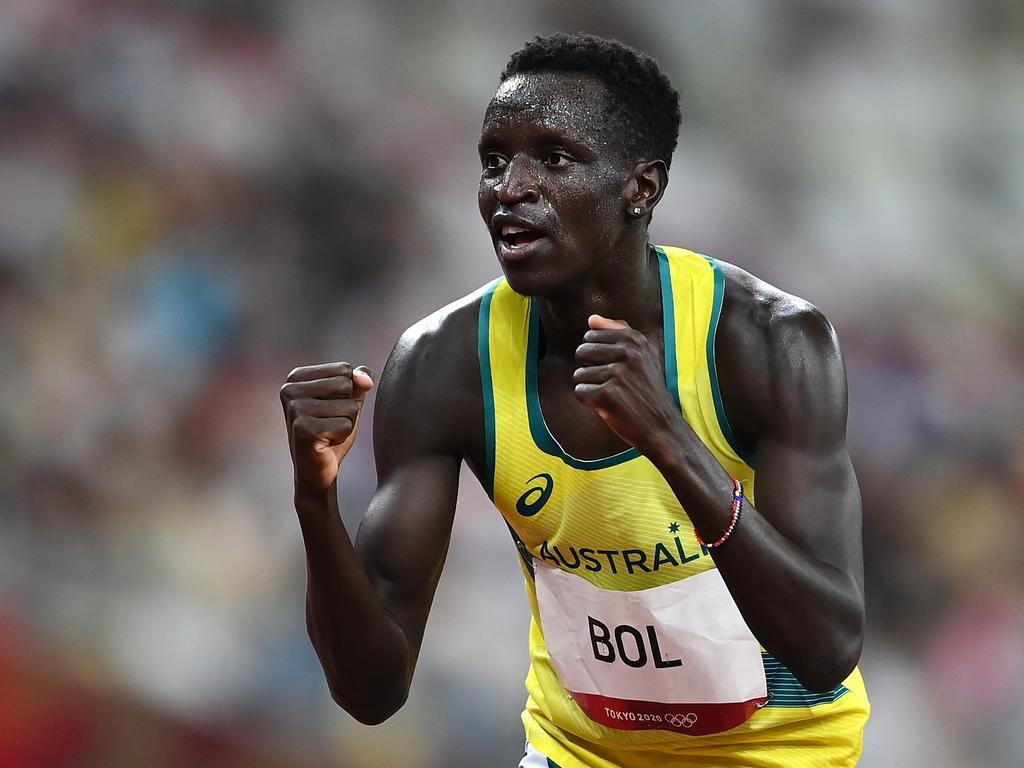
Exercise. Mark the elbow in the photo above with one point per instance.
(826, 671)
(371, 689)
(828, 674)
(373, 709)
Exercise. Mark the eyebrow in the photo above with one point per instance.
(548, 134)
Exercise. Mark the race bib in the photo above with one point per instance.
(678, 657)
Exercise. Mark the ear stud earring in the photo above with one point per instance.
(636, 210)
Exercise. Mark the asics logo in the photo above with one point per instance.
(531, 502)
(681, 721)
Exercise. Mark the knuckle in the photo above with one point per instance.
(341, 429)
(302, 428)
(344, 387)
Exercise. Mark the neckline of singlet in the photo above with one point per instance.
(541, 433)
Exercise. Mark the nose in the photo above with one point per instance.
(517, 184)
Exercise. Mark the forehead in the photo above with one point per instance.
(561, 101)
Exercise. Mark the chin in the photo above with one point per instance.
(524, 285)
(541, 271)
(530, 282)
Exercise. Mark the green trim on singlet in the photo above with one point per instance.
(668, 312)
(542, 436)
(483, 343)
(484, 351)
(723, 421)
(784, 690)
(552, 763)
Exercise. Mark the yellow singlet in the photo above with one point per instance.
(612, 526)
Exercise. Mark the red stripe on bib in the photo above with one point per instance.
(692, 719)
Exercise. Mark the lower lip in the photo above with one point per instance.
(508, 254)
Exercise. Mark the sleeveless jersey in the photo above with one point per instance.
(625, 603)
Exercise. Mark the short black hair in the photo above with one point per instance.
(642, 105)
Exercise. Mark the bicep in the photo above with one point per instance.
(403, 539)
(806, 486)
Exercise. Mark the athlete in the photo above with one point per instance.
(663, 433)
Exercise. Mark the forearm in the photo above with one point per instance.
(807, 613)
(363, 651)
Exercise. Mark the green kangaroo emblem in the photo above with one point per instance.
(531, 502)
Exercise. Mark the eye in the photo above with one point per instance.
(494, 161)
(557, 158)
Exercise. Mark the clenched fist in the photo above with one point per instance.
(321, 408)
(620, 377)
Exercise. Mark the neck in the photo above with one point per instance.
(625, 288)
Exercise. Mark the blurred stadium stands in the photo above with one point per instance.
(196, 197)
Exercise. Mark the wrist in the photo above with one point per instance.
(690, 468)
(667, 447)
(735, 510)
(312, 500)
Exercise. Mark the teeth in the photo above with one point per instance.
(511, 229)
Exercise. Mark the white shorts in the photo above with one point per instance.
(534, 759)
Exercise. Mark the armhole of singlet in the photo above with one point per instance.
(738, 447)
(669, 321)
(486, 384)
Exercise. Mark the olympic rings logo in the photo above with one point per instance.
(681, 721)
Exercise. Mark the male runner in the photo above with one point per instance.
(663, 433)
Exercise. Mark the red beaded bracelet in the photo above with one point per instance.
(736, 509)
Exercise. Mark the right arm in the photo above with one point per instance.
(367, 603)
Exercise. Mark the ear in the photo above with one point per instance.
(645, 187)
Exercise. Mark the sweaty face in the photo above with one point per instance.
(553, 180)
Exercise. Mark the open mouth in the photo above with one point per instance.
(516, 237)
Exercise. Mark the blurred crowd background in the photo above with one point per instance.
(196, 197)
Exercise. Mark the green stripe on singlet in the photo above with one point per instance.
(486, 385)
(723, 421)
(784, 690)
(539, 430)
(668, 317)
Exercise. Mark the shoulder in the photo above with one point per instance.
(432, 376)
(443, 337)
(767, 321)
(778, 352)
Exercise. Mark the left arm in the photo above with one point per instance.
(794, 564)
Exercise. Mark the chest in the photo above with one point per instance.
(577, 428)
